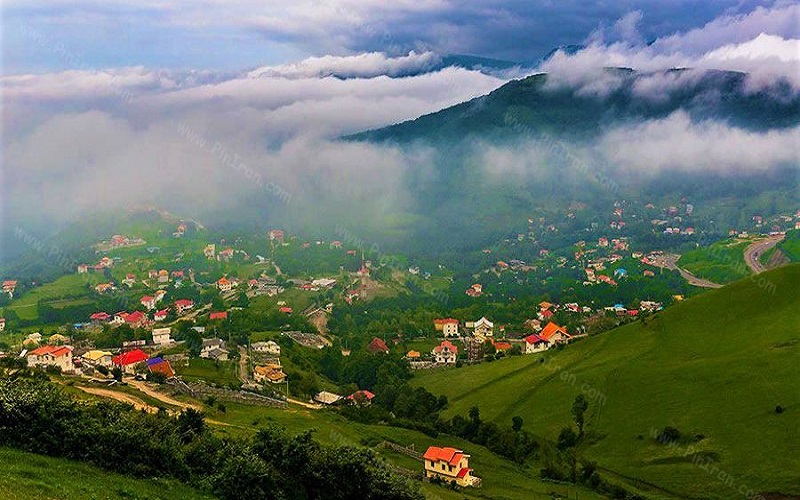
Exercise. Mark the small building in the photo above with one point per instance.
(413, 355)
(450, 465)
(129, 361)
(160, 365)
(378, 346)
(268, 347)
(148, 302)
(218, 315)
(2, 324)
(136, 319)
(224, 284)
(482, 329)
(534, 343)
(160, 315)
(271, 372)
(327, 398)
(445, 353)
(554, 334)
(49, 355)
(448, 326)
(214, 349)
(97, 357)
(161, 336)
(100, 317)
(361, 398)
(183, 305)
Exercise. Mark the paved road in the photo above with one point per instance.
(670, 261)
(756, 249)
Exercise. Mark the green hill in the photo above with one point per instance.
(29, 476)
(715, 367)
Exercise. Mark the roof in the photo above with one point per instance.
(218, 315)
(534, 339)
(162, 312)
(162, 366)
(130, 357)
(378, 345)
(363, 393)
(147, 298)
(413, 354)
(51, 350)
(551, 329)
(444, 321)
(450, 455)
(95, 354)
(445, 344)
(327, 398)
(183, 302)
(135, 317)
(502, 346)
(100, 316)
(463, 472)
(545, 304)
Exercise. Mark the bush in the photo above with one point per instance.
(567, 438)
(778, 410)
(668, 435)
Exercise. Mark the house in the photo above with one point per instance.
(545, 314)
(268, 347)
(49, 355)
(159, 295)
(58, 339)
(148, 302)
(450, 465)
(361, 398)
(209, 250)
(448, 326)
(83, 269)
(445, 353)
(327, 398)
(9, 286)
(103, 287)
(276, 235)
(160, 315)
(225, 255)
(532, 324)
(413, 355)
(100, 317)
(152, 274)
(129, 361)
(183, 305)
(2, 324)
(475, 290)
(554, 334)
(648, 273)
(160, 365)
(378, 346)
(214, 349)
(482, 329)
(161, 336)
(271, 372)
(177, 274)
(286, 310)
(218, 315)
(502, 346)
(224, 284)
(96, 357)
(163, 276)
(136, 319)
(130, 280)
(534, 343)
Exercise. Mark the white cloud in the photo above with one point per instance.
(367, 65)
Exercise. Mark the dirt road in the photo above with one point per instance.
(244, 373)
(119, 396)
(755, 250)
(144, 388)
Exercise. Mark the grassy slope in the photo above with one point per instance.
(29, 476)
(716, 365)
(721, 262)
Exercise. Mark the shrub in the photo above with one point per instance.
(668, 435)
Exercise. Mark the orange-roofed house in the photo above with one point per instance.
(413, 355)
(448, 326)
(224, 285)
(218, 315)
(449, 464)
(554, 334)
(502, 346)
(50, 355)
(445, 353)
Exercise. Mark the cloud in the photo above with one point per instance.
(678, 144)
(367, 65)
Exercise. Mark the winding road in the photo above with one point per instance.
(755, 250)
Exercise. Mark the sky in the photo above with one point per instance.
(199, 103)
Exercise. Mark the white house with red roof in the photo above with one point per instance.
(362, 397)
(534, 343)
(49, 355)
(224, 284)
(160, 315)
(183, 305)
(148, 302)
(449, 464)
(445, 353)
(100, 317)
(448, 326)
(136, 319)
(2, 324)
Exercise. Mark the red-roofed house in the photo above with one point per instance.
(449, 464)
(363, 397)
(128, 361)
(161, 315)
(534, 343)
(502, 346)
(99, 317)
(224, 285)
(554, 334)
(149, 302)
(2, 324)
(287, 310)
(445, 353)
(378, 346)
(545, 314)
(136, 319)
(183, 305)
(218, 315)
(50, 355)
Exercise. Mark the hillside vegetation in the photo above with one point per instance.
(716, 368)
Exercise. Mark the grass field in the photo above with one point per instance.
(221, 373)
(27, 476)
(790, 246)
(71, 289)
(716, 365)
(720, 262)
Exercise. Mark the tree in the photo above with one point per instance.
(579, 407)
(566, 438)
(516, 423)
(117, 373)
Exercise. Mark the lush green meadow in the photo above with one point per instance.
(715, 367)
(27, 476)
(721, 262)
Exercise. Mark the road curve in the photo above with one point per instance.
(755, 250)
